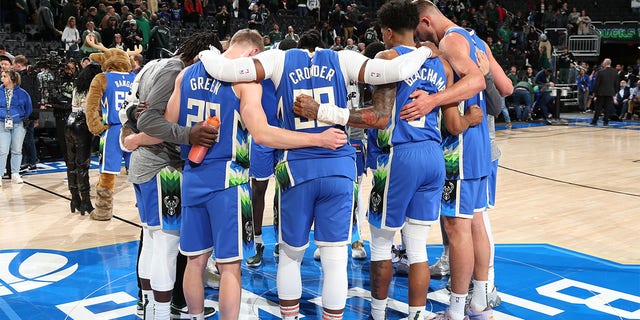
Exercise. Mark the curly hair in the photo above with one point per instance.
(399, 15)
(198, 42)
(83, 81)
(311, 39)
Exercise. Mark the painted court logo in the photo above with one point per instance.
(28, 270)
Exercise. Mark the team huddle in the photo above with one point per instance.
(428, 146)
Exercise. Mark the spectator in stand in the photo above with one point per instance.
(30, 83)
(71, 9)
(71, 38)
(522, 97)
(351, 46)
(117, 42)
(223, 19)
(327, 34)
(566, 61)
(46, 22)
(6, 61)
(193, 11)
(176, 13)
(337, 44)
(504, 34)
(631, 76)
(161, 43)
(164, 12)
(255, 17)
(131, 35)
(85, 49)
(583, 89)
(111, 12)
(336, 18)
(144, 26)
(21, 12)
(15, 106)
(302, 8)
(349, 20)
(275, 35)
(291, 34)
(574, 15)
(109, 32)
(584, 23)
(621, 99)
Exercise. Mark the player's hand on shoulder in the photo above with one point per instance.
(306, 106)
(434, 49)
(421, 104)
(332, 138)
(202, 135)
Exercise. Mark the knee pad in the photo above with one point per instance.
(381, 242)
(165, 255)
(335, 283)
(288, 279)
(415, 241)
(146, 254)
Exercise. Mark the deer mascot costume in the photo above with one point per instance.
(104, 99)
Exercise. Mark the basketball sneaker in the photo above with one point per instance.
(256, 260)
(440, 268)
(486, 314)
(493, 299)
(444, 315)
(400, 261)
(140, 309)
(357, 250)
(182, 312)
(276, 250)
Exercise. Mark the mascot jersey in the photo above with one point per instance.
(318, 75)
(118, 85)
(468, 155)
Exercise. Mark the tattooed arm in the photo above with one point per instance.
(374, 117)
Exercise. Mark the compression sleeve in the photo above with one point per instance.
(380, 71)
(228, 70)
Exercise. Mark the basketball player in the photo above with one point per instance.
(469, 243)
(156, 174)
(216, 209)
(316, 186)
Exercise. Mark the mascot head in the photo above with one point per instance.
(112, 59)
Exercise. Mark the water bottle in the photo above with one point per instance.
(197, 153)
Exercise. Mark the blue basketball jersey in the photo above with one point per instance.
(118, 85)
(270, 107)
(431, 78)
(318, 75)
(226, 163)
(468, 155)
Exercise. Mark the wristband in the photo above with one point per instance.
(330, 113)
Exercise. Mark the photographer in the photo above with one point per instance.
(131, 36)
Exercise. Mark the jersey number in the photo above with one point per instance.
(203, 109)
(321, 95)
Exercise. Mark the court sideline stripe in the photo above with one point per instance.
(570, 183)
(69, 199)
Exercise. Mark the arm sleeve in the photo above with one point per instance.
(228, 70)
(351, 62)
(380, 71)
(152, 121)
(494, 101)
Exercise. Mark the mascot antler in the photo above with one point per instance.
(138, 50)
(91, 42)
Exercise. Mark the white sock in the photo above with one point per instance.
(479, 295)
(417, 312)
(290, 312)
(162, 310)
(197, 316)
(148, 303)
(456, 305)
(378, 308)
(258, 238)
